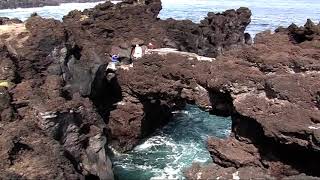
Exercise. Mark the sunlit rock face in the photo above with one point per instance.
(62, 108)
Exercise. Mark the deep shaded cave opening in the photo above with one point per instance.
(105, 92)
(159, 114)
(170, 129)
(246, 129)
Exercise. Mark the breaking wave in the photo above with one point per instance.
(166, 154)
(56, 12)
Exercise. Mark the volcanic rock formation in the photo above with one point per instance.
(59, 102)
(275, 106)
(61, 108)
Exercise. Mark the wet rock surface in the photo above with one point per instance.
(61, 107)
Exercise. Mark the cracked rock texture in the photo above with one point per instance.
(61, 108)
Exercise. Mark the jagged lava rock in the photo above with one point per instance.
(65, 99)
(274, 115)
(49, 133)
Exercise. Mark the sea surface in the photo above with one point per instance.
(172, 149)
(166, 153)
(266, 14)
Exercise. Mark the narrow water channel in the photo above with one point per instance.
(170, 150)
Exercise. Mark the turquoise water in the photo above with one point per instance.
(170, 150)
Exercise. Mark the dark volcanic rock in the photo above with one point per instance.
(62, 135)
(45, 36)
(60, 107)
(217, 32)
(109, 29)
(110, 26)
(274, 121)
(309, 32)
(5, 20)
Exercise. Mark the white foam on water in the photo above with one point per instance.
(173, 169)
(142, 167)
(167, 154)
(56, 12)
(179, 154)
(176, 154)
(156, 141)
(227, 132)
(181, 112)
(168, 172)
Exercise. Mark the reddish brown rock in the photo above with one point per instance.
(274, 109)
(125, 124)
(66, 101)
(233, 153)
(52, 135)
(216, 172)
(110, 29)
(249, 172)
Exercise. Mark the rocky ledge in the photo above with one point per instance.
(9, 4)
(61, 107)
(275, 108)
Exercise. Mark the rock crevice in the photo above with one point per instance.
(64, 108)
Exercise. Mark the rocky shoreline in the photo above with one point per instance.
(61, 109)
(9, 4)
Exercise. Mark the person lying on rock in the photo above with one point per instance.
(137, 52)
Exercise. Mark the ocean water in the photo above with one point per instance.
(170, 150)
(56, 12)
(267, 14)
